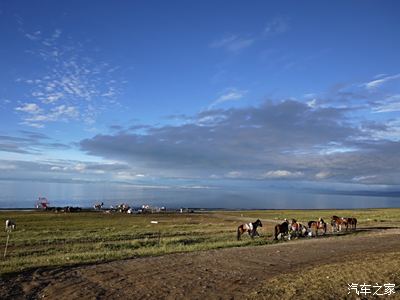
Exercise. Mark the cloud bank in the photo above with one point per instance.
(276, 140)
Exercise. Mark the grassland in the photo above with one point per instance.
(58, 239)
(331, 281)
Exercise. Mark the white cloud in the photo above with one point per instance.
(233, 43)
(391, 104)
(128, 175)
(234, 174)
(282, 174)
(73, 86)
(322, 175)
(390, 131)
(364, 178)
(378, 82)
(312, 103)
(33, 36)
(30, 108)
(58, 113)
(80, 167)
(231, 95)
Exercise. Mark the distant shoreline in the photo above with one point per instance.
(205, 209)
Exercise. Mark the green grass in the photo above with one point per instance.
(51, 239)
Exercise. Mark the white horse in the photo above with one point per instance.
(10, 225)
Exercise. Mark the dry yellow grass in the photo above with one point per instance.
(331, 281)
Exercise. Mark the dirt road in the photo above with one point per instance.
(215, 274)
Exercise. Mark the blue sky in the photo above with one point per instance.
(200, 96)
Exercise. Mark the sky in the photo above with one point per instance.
(209, 103)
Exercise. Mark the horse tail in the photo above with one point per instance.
(238, 233)
(276, 232)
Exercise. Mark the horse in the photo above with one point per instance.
(98, 206)
(123, 208)
(281, 229)
(297, 229)
(251, 228)
(352, 222)
(320, 224)
(10, 225)
(338, 222)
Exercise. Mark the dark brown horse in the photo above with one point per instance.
(320, 224)
(281, 229)
(251, 228)
(352, 222)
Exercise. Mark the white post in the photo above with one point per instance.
(5, 250)
(159, 232)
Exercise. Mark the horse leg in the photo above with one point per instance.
(239, 233)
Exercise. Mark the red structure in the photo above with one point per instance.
(42, 203)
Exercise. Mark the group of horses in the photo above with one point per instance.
(338, 222)
(297, 229)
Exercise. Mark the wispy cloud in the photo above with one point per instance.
(30, 108)
(391, 104)
(28, 142)
(58, 113)
(73, 86)
(391, 107)
(233, 43)
(276, 26)
(230, 95)
(379, 82)
(282, 174)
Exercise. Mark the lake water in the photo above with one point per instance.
(23, 194)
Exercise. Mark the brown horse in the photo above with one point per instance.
(281, 229)
(251, 228)
(320, 224)
(338, 222)
(296, 229)
(352, 222)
